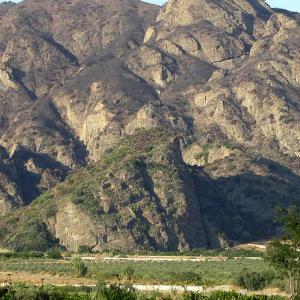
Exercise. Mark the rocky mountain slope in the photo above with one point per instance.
(140, 195)
(166, 118)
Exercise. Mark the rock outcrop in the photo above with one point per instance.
(139, 196)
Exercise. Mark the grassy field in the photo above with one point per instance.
(232, 252)
(208, 273)
(114, 292)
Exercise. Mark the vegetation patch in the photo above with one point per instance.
(113, 292)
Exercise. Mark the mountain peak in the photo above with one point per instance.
(230, 15)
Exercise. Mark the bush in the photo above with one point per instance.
(53, 253)
(114, 292)
(30, 235)
(185, 277)
(67, 255)
(30, 292)
(193, 296)
(84, 249)
(3, 291)
(79, 267)
(251, 280)
(128, 273)
(222, 295)
(23, 254)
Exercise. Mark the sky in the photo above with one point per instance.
(293, 5)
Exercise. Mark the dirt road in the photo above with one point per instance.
(163, 258)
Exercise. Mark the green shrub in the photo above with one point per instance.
(251, 280)
(154, 296)
(84, 249)
(186, 277)
(53, 253)
(3, 291)
(114, 292)
(30, 235)
(193, 296)
(128, 273)
(222, 295)
(30, 292)
(67, 255)
(202, 155)
(79, 267)
(230, 253)
(23, 254)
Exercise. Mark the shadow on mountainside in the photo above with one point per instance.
(36, 173)
(243, 206)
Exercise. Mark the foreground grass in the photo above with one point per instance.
(209, 273)
(113, 292)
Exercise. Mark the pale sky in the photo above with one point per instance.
(293, 5)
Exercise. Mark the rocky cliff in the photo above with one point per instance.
(78, 79)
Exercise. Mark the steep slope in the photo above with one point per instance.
(141, 195)
(43, 45)
(9, 192)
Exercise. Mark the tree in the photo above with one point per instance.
(284, 254)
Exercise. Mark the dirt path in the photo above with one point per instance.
(43, 278)
(163, 258)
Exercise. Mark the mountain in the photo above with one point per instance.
(129, 126)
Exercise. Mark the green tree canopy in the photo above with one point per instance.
(284, 253)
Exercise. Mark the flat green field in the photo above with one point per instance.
(209, 273)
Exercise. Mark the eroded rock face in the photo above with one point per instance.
(153, 66)
(142, 199)
(10, 193)
(73, 228)
(45, 45)
(230, 16)
(252, 102)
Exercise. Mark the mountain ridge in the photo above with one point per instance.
(77, 78)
